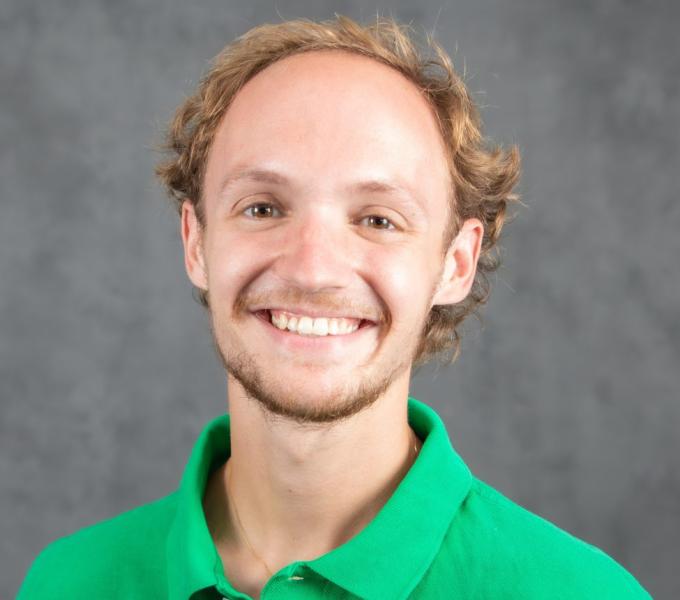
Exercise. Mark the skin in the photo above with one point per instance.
(314, 415)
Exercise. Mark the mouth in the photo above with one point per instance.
(312, 326)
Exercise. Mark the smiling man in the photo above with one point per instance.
(338, 212)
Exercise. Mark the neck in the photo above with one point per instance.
(300, 491)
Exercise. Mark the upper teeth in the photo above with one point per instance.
(313, 325)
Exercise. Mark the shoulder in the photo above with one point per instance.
(95, 561)
(530, 556)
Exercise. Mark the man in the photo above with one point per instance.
(338, 212)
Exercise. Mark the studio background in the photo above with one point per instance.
(566, 400)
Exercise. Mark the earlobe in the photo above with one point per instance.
(460, 264)
(192, 239)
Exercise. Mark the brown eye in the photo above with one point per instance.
(261, 210)
(378, 222)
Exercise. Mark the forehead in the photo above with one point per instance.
(331, 115)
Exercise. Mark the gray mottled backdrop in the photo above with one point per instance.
(566, 400)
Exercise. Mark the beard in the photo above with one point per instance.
(276, 399)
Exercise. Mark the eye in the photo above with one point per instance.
(261, 210)
(378, 222)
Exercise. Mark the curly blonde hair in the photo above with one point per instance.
(482, 177)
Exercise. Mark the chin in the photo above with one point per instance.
(305, 399)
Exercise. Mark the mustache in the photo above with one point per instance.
(320, 301)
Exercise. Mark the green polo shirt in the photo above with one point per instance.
(443, 534)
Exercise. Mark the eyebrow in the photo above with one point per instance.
(371, 186)
(255, 175)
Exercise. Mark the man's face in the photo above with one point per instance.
(326, 199)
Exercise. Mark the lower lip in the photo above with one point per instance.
(328, 344)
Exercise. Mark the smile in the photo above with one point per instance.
(319, 326)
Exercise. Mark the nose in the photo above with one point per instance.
(315, 254)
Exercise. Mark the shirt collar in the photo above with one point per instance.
(407, 531)
(192, 559)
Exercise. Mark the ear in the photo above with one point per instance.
(460, 264)
(192, 238)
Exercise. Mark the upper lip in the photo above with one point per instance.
(317, 312)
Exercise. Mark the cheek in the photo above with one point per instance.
(404, 280)
(233, 262)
